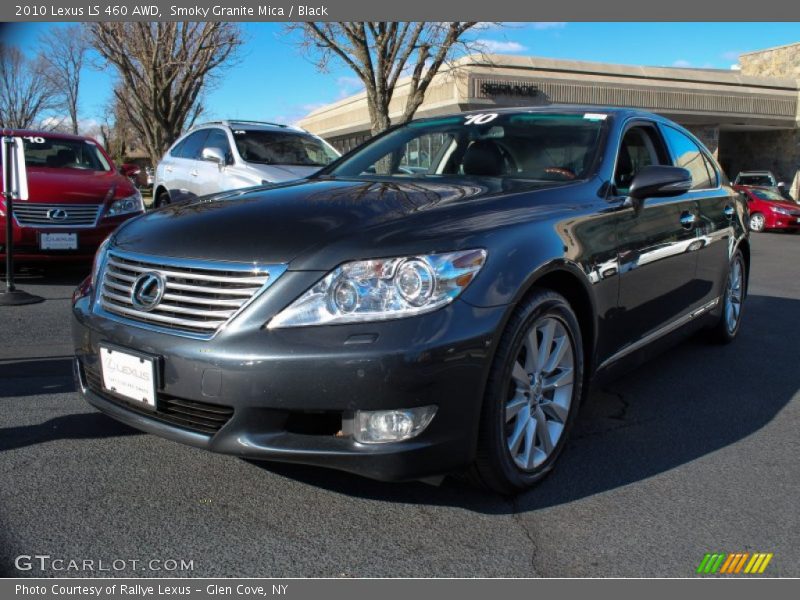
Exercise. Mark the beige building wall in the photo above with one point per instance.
(749, 118)
(782, 151)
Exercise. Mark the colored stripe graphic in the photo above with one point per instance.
(764, 564)
(741, 562)
(703, 563)
(734, 563)
(728, 562)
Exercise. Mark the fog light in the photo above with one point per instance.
(381, 426)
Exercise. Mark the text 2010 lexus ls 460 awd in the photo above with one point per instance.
(437, 300)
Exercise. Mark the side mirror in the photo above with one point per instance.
(658, 181)
(129, 169)
(214, 154)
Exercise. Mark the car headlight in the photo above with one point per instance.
(780, 210)
(99, 257)
(384, 288)
(130, 204)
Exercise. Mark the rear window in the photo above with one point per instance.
(63, 154)
(282, 148)
(764, 180)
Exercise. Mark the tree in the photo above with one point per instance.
(63, 52)
(25, 92)
(382, 52)
(163, 70)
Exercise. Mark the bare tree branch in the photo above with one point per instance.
(163, 70)
(64, 51)
(381, 52)
(25, 91)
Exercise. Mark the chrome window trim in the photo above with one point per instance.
(273, 272)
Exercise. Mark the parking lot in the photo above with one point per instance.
(695, 452)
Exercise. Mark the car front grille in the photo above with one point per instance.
(199, 297)
(200, 417)
(30, 214)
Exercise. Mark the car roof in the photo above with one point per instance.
(571, 108)
(249, 125)
(45, 134)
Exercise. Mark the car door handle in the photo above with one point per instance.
(168, 169)
(193, 173)
(729, 212)
(687, 220)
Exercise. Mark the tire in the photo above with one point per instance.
(512, 454)
(162, 199)
(757, 222)
(727, 328)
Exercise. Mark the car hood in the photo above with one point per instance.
(788, 205)
(281, 173)
(72, 186)
(278, 224)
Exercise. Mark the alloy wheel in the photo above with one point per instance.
(540, 393)
(757, 222)
(734, 293)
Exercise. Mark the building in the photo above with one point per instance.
(749, 118)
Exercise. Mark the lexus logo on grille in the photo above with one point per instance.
(147, 291)
(57, 214)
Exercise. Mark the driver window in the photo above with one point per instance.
(637, 150)
(217, 138)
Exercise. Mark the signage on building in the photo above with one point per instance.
(528, 90)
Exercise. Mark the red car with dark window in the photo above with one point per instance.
(76, 198)
(769, 209)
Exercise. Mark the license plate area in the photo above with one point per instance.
(58, 241)
(130, 375)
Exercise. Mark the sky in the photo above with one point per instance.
(272, 81)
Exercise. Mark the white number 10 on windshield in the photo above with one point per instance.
(480, 119)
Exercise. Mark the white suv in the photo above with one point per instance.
(227, 155)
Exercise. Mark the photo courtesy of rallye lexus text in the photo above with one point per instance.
(436, 301)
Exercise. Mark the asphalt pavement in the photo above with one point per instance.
(694, 452)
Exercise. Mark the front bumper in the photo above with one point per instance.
(26, 240)
(286, 395)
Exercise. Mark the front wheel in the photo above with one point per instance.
(532, 395)
(757, 222)
(162, 199)
(727, 328)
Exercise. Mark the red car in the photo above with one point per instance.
(769, 209)
(76, 198)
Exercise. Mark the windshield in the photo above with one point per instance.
(755, 180)
(57, 153)
(282, 148)
(548, 147)
(768, 195)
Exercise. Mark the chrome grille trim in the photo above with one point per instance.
(200, 299)
(35, 214)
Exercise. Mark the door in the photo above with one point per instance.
(716, 212)
(657, 245)
(185, 168)
(210, 176)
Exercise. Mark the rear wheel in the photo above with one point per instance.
(532, 396)
(732, 301)
(757, 222)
